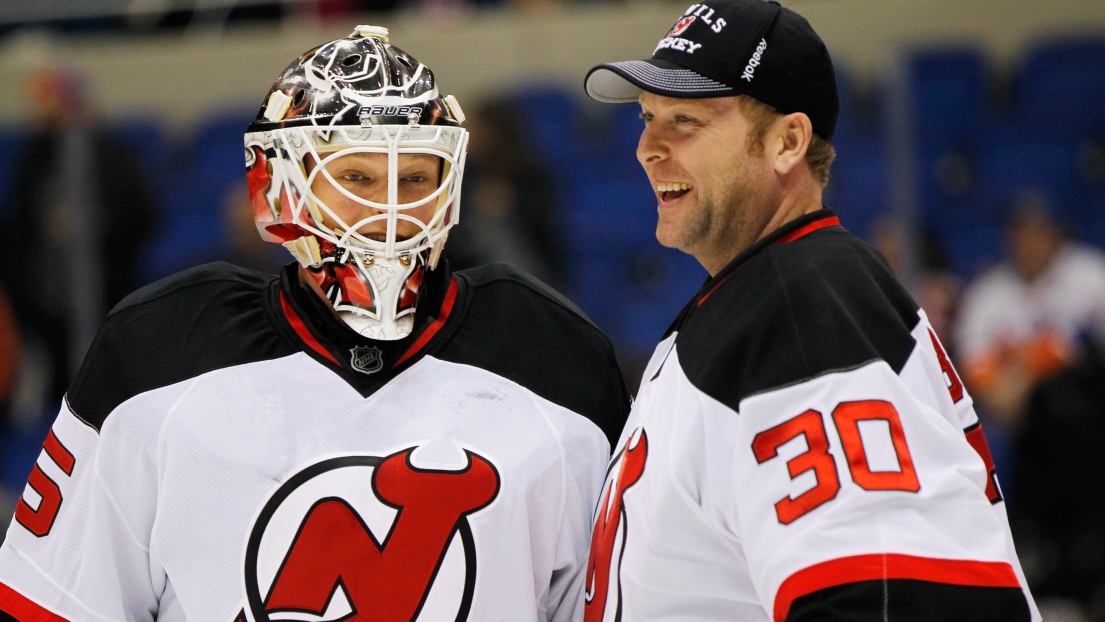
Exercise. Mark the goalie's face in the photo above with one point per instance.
(350, 180)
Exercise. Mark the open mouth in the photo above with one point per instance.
(671, 192)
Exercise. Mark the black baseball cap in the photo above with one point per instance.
(733, 47)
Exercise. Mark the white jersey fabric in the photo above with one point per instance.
(289, 485)
(802, 449)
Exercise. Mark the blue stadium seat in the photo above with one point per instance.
(970, 249)
(553, 115)
(183, 240)
(859, 189)
(619, 274)
(217, 151)
(1062, 88)
(951, 116)
(947, 90)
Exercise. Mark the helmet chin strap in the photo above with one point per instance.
(395, 283)
(374, 296)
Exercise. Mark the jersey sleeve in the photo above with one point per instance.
(862, 497)
(78, 546)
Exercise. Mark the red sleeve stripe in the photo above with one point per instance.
(301, 330)
(802, 232)
(890, 566)
(22, 609)
(424, 338)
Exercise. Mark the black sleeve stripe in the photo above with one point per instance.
(904, 600)
(909, 587)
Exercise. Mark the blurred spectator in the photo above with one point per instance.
(241, 245)
(935, 287)
(82, 213)
(1058, 515)
(1031, 336)
(1026, 319)
(510, 206)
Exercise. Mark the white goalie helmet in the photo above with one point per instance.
(354, 164)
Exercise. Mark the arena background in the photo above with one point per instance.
(951, 112)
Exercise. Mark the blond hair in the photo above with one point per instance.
(819, 155)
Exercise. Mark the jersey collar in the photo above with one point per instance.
(367, 364)
(794, 230)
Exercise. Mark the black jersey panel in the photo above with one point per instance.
(794, 311)
(906, 600)
(521, 329)
(205, 318)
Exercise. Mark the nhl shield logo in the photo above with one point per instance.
(367, 359)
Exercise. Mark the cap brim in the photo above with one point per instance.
(620, 83)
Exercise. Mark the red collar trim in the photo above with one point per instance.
(301, 330)
(425, 337)
(714, 288)
(802, 232)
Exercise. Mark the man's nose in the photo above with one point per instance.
(651, 147)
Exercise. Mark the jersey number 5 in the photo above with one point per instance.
(40, 521)
(846, 417)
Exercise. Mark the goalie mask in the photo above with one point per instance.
(354, 164)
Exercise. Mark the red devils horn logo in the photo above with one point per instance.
(603, 600)
(681, 26)
(360, 538)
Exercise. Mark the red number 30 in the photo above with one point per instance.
(40, 521)
(817, 458)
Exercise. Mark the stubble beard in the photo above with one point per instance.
(718, 228)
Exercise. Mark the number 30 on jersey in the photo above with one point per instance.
(846, 417)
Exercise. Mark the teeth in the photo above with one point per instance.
(672, 187)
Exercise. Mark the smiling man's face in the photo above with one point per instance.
(714, 190)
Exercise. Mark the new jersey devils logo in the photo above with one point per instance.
(359, 538)
(603, 600)
(681, 26)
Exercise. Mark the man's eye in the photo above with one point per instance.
(646, 117)
(415, 179)
(354, 177)
(679, 118)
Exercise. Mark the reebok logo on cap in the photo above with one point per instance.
(754, 61)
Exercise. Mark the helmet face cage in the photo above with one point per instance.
(356, 95)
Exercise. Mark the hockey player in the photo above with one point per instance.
(367, 437)
(801, 447)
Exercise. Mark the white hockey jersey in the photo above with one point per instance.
(232, 452)
(802, 449)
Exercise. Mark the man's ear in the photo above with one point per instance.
(793, 135)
